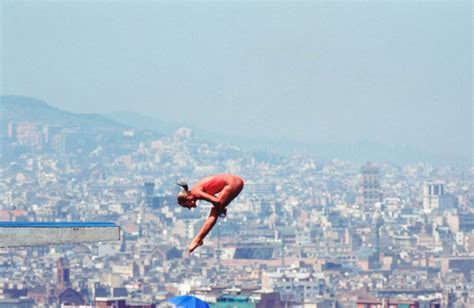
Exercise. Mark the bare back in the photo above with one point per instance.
(216, 183)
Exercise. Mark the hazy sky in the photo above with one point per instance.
(395, 73)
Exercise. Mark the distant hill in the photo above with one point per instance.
(20, 108)
(27, 109)
(139, 121)
(358, 151)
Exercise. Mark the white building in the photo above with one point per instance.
(435, 197)
(295, 285)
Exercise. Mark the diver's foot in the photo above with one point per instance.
(194, 245)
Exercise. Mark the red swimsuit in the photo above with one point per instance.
(215, 185)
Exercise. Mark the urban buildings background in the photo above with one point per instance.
(306, 231)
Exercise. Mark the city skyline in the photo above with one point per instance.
(349, 125)
(304, 230)
(23, 109)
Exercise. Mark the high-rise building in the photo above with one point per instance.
(49, 133)
(11, 130)
(435, 196)
(149, 192)
(58, 143)
(27, 134)
(63, 274)
(369, 190)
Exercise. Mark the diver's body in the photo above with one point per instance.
(220, 190)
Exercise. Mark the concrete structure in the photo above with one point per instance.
(23, 302)
(18, 234)
(119, 303)
(149, 192)
(435, 197)
(369, 189)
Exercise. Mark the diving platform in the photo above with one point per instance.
(19, 234)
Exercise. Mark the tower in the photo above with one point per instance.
(63, 273)
(369, 190)
(12, 131)
(149, 192)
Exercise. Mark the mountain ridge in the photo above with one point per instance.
(362, 150)
(22, 108)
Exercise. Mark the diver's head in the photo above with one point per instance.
(185, 198)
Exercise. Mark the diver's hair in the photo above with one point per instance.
(184, 193)
(183, 184)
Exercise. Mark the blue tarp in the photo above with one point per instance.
(188, 301)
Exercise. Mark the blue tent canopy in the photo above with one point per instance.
(188, 301)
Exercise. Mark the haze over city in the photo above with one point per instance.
(390, 73)
(242, 154)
